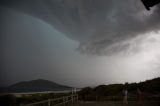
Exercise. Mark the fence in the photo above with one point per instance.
(55, 102)
(118, 98)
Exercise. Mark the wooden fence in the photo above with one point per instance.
(62, 101)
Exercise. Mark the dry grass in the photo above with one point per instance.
(111, 103)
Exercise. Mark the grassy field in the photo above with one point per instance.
(111, 103)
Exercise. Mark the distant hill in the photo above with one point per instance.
(38, 85)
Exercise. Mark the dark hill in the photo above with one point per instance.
(148, 87)
(39, 85)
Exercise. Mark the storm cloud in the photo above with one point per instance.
(49, 39)
(100, 26)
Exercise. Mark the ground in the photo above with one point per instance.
(111, 103)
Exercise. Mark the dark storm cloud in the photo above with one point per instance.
(96, 24)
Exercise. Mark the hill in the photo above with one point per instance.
(39, 85)
(148, 87)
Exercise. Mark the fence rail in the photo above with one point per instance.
(55, 102)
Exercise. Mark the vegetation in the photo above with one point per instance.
(11, 100)
(112, 92)
(149, 88)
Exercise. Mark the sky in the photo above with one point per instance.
(78, 42)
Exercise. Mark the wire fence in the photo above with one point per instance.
(119, 98)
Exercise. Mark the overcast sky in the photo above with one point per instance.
(79, 42)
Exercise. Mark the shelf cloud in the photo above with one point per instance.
(99, 26)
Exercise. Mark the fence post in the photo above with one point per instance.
(49, 102)
(63, 101)
(72, 98)
(77, 97)
(66, 100)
